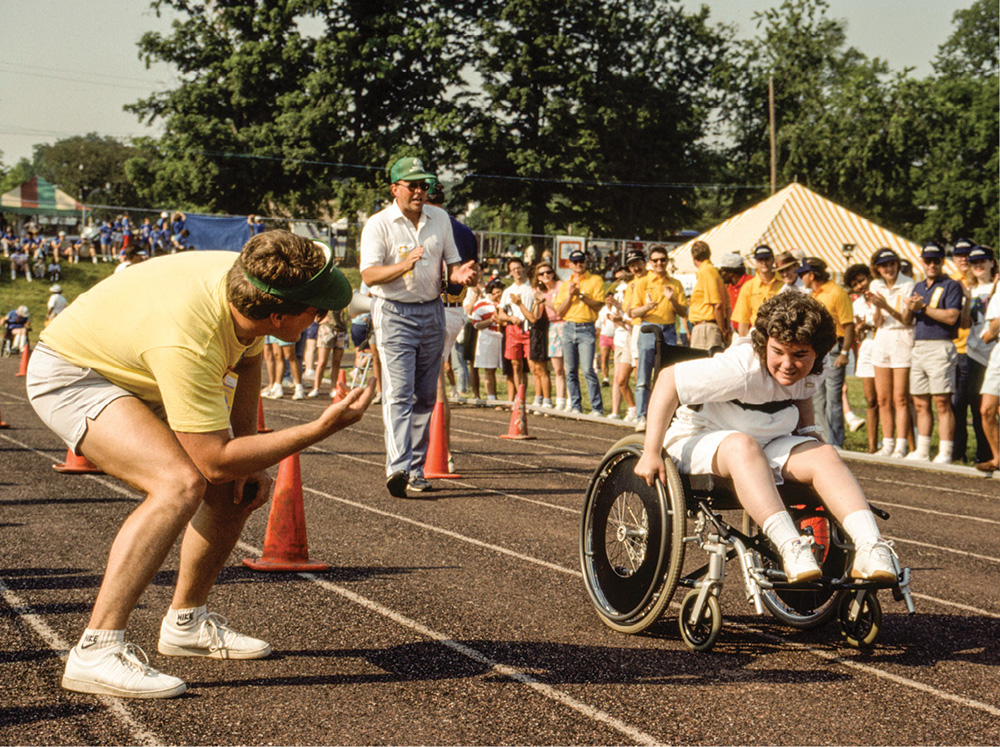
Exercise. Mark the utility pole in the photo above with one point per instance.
(774, 149)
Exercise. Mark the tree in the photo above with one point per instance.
(581, 96)
(287, 104)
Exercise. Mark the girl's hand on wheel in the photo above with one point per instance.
(650, 466)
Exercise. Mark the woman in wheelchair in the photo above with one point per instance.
(746, 414)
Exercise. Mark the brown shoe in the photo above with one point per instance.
(989, 466)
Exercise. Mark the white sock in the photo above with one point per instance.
(93, 641)
(888, 444)
(780, 529)
(861, 527)
(945, 449)
(924, 446)
(186, 617)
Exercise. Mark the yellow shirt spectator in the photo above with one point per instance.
(651, 288)
(592, 287)
(752, 295)
(708, 291)
(837, 302)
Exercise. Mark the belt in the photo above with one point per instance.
(706, 321)
(452, 304)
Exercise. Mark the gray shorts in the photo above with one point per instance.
(66, 396)
(932, 367)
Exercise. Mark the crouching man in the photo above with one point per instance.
(154, 376)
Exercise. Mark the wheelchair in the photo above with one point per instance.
(633, 537)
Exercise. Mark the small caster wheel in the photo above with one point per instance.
(701, 635)
(860, 616)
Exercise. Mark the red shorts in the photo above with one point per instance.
(518, 344)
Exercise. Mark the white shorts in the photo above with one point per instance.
(893, 347)
(66, 396)
(489, 350)
(454, 322)
(991, 380)
(863, 367)
(623, 346)
(694, 454)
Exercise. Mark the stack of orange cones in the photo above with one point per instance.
(25, 355)
(341, 389)
(77, 465)
(436, 463)
(285, 546)
(261, 428)
(518, 418)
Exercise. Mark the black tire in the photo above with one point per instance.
(631, 539)
(860, 624)
(701, 635)
(807, 609)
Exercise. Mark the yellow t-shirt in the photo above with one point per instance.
(752, 296)
(837, 302)
(163, 331)
(708, 292)
(591, 286)
(651, 289)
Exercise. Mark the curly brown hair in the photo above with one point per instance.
(282, 260)
(794, 318)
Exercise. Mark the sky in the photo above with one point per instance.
(67, 67)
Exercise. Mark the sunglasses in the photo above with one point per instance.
(414, 186)
(933, 261)
(657, 261)
(545, 272)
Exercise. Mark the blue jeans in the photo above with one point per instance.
(828, 405)
(579, 342)
(644, 364)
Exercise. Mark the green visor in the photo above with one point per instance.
(328, 289)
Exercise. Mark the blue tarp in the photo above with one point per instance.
(210, 232)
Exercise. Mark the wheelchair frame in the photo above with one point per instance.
(632, 540)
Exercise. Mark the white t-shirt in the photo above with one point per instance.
(736, 374)
(527, 296)
(895, 297)
(389, 236)
(57, 302)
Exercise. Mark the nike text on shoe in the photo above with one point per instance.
(875, 561)
(121, 670)
(799, 562)
(209, 637)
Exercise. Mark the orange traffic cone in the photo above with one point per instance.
(285, 547)
(3, 424)
(340, 391)
(261, 428)
(25, 355)
(436, 463)
(518, 418)
(77, 465)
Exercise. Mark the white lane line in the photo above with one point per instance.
(445, 532)
(967, 608)
(939, 548)
(957, 491)
(552, 693)
(473, 486)
(57, 643)
(828, 655)
(904, 507)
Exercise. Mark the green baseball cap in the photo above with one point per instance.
(410, 169)
(328, 289)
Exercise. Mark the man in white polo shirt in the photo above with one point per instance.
(402, 250)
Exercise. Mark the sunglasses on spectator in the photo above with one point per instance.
(414, 186)
(933, 261)
(545, 272)
(658, 260)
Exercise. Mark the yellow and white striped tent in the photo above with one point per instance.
(798, 218)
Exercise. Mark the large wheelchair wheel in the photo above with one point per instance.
(806, 609)
(631, 539)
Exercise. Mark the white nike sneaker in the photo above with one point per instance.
(209, 637)
(300, 392)
(875, 561)
(121, 670)
(799, 562)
